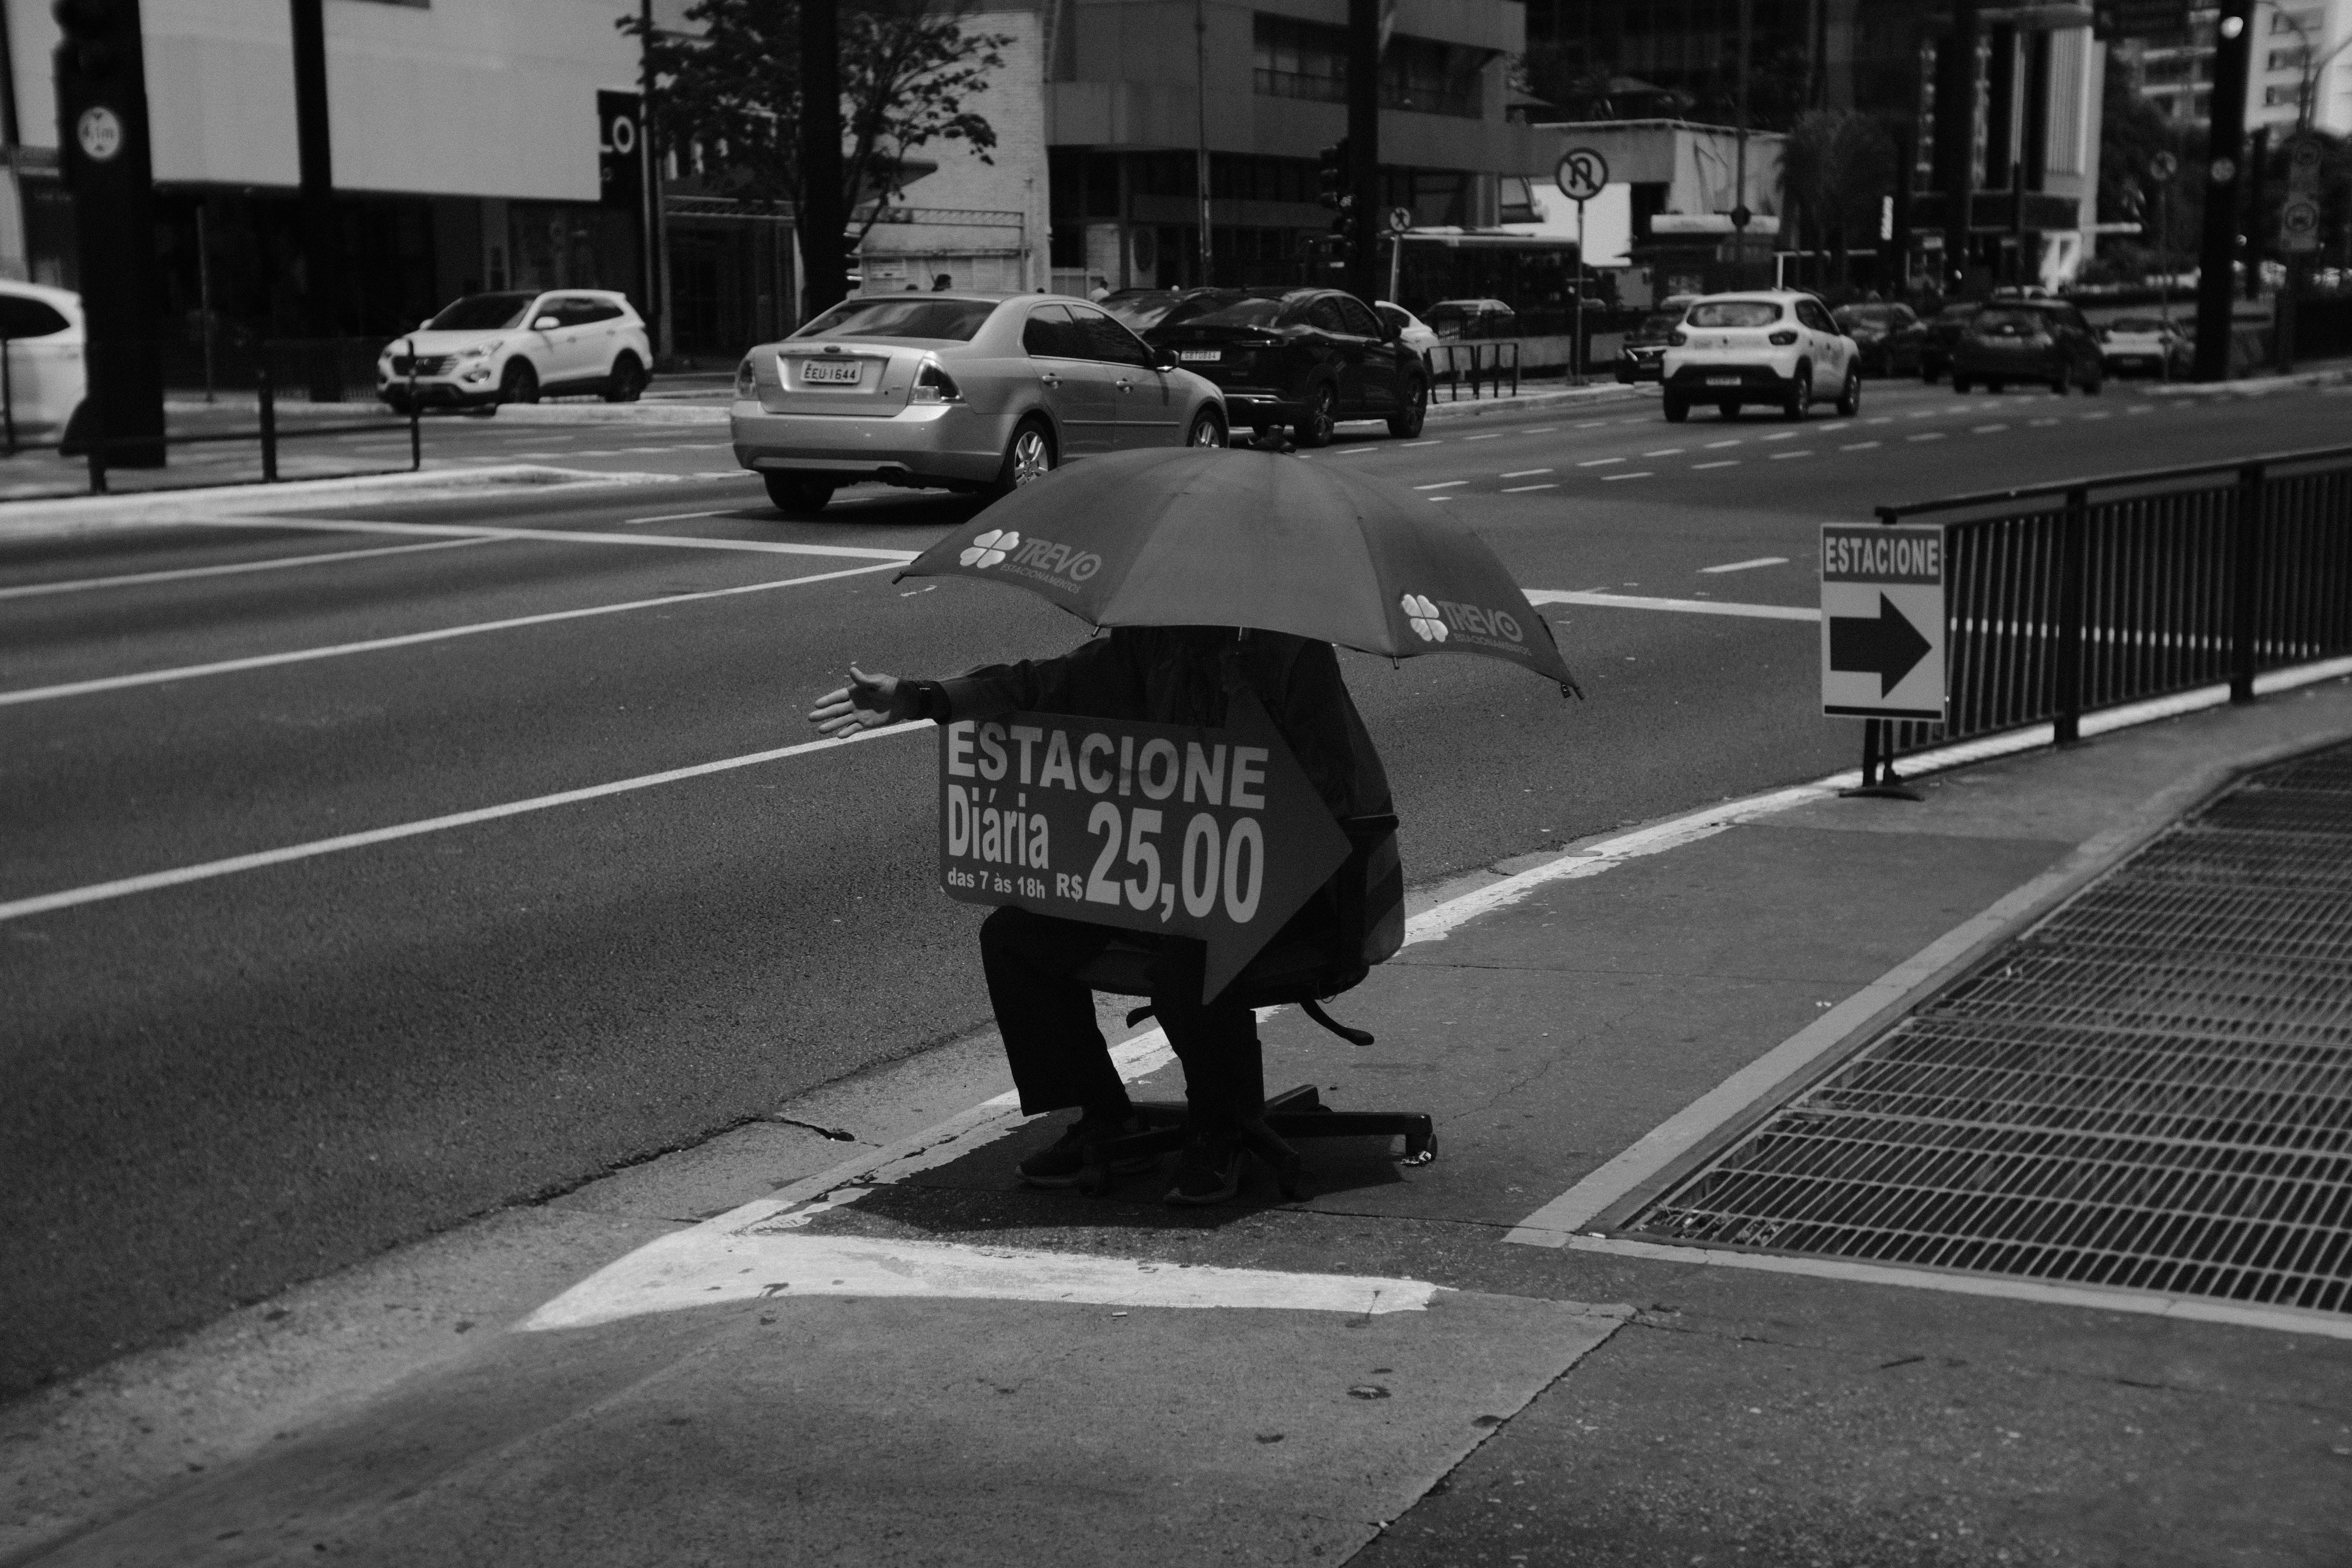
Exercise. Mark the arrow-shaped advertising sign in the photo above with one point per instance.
(1883, 621)
(1178, 831)
(1889, 647)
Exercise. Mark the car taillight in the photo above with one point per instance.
(747, 379)
(1678, 337)
(1782, 339)
(933, 384)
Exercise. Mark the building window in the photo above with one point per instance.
(1291, 59)
(2274, 96)
(2289, 60)
(2299, 22)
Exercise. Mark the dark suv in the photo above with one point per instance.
(1307, 358)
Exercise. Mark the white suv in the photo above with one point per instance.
(1772, 346)
(515, 347)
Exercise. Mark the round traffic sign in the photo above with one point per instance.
(2222, 171)
(1400, 219)
(2163, 166)
(2299, 218)
(100, 134)
(1581, 174)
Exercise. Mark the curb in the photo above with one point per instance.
(32, 518)
(2253, 386)
(1606, 392)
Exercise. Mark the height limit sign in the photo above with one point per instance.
(1882, 622)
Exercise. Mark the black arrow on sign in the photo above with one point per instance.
(1890, 646)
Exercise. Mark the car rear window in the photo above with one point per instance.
(482, 313)
(892, 316)
(1252, 312)
(1735, 313)
(2011, 324)
(23, 317)
(1872, 313)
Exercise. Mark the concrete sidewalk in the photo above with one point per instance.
(846, 1334)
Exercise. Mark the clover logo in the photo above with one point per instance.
(989, 548)
(1426, 622)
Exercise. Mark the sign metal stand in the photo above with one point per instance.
(1581, 174)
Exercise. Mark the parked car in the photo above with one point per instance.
(1944, 329)
(519, 346)
(1141, 310)
(46, 378)
(1642, 354)
(1890, 336)
(1455, 318)
(1411, 331)
(2044, 341)
(1307, 358)
(1772, 346)
(2146, 346)
(957, 391)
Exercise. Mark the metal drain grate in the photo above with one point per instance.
(2151, 1090)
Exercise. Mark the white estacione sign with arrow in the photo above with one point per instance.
(1883, 621)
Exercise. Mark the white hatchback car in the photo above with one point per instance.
(1775, 346)
(515, 347)
(45, 379)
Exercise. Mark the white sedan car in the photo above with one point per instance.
(1411, 331)
(517, 347)
(1775, 346)
(45, 380)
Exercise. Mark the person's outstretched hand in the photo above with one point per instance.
(867, 702)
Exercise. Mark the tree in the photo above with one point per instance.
(2132, 133)
(728, 95)
(1836, 167)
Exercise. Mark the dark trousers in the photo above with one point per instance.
(1055, 1048)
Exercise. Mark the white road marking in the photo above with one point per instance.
(1783, 457)
(1409, 445)
(2141, 408)
(1748, 565)
(1862, 446)
(1442, 485)
(1637, 474)
(710, 1265)
(2037, 423)
(1592, 425)
(132, 579)
(2095, 417)
(1437, 498)
(1539, 429)
(1684, 607)
(1735, 441)
(1526, 473)
(1929, 436)
(679, 516)
(1599, 462)
(1780, 436)
(124, 886)
(1718, 463)
(1515, 489)
(1667, 452)
(1834, 427)
(1492, 435)
(555, 535)
(1927, 413)
(409, 639)
(1354, 451)
(1881, 419)
(1986, 429)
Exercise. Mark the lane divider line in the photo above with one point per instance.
(408, 639)
(1520, 490)
(124, 887)
(181, 573)
(548, 536)
(1687, 606)
(1748, 565)
(1442, 485)
(1526, 473)
(1718, 463)
(1637, 474)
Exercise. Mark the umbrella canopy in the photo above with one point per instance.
(1212, 536)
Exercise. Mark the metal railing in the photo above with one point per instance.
(2064, 599)
(1475, 364)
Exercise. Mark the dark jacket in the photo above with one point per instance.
(1183, 674)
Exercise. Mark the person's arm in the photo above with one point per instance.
(871, 701)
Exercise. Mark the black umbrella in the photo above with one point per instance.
(1211, 536)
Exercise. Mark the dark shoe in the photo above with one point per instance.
(1209, 1171)
(1063, 1162)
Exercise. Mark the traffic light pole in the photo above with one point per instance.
(102, 150)
(1364, 171)
(2224, 179)
(321, 244)
(822, 211)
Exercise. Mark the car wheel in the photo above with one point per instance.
(1404, 426)
(1677, 410)
(2097, 384)
(1959, 384)
(1849, 403)
(397, 402)
(1322, 416)
(2058, 385)
(1800, 396)
(798, 495)
(626, 381)
(520, 383)
(1995, 387)
(1028, 457)
(1207, 430)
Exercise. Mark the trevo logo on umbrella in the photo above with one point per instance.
(1425, 618)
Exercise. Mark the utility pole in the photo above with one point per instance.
(2224, 179)
(322, 243)
(1363, 212)
(1201, 126)
(103, 149)
(651, 214)
(1739, 212)
(824, 207)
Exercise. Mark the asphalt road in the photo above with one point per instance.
(260, 1075)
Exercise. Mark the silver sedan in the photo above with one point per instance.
(965, 392)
